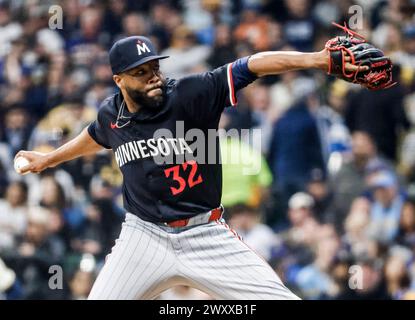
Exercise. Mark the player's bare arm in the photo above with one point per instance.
(81, 145)
(276, 62)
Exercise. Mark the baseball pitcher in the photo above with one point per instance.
(174, 232)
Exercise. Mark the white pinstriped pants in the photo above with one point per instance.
(148, 258)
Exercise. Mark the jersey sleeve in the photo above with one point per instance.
(97, 130)
(205, 95)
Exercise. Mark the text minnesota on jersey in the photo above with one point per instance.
(161, 148)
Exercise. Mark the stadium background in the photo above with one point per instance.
(332, 208)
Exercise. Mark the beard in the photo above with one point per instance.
(144, 101)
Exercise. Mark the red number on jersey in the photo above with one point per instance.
(176, 177)
(191, 181)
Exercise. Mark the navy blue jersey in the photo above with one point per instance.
(164, 192)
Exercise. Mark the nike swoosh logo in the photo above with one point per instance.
(113, 125)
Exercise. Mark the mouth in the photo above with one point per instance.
(158, 91)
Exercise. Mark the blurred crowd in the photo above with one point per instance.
(332, 208)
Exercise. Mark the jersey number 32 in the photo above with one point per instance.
(192, 179)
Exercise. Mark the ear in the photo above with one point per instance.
(118, 80)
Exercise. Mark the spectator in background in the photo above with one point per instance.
(275, 36)
(301, 217)
(13, 217)
(103, 218)
(406, 165)
(17, 129)
(60, 228)
(247, 223)
(349, 182)
(55, 191)
(253, 29)
(223, 49)
(85, 168)
(406, 233)
(299, 25)
(14, 76)
(380, 114)
(335, 136)
(100, 229)
(388, 36)
(186, 55)
(314, 280)
(89, 42)
(283, 92)
(395, 11)
(405, 57)
(63, 122)
(260, 114)
(52, 195)
(165, 19)
(355, 239)
(303, 230)
(80, 284)
(295, 149)
(386, 207)
(9, 30)
(133, 23)
(201, 17)
(113, 17)
(372, 281)
(318, 188)
(397, 276)
(37, 251)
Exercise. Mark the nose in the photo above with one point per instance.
(155, 77)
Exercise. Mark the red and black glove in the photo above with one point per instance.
(353, 48)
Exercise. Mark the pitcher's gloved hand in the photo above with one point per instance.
(352, 59)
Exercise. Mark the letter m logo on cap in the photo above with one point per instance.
(142, 47)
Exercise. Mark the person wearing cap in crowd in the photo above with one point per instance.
(386, 207)
(318, 187)
(302, 219)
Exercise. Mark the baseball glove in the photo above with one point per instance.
(372, 69)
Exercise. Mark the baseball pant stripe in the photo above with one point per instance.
(130, 254)
(209, 270)
(149, 258)
(118, 282)
(140, 259)
(268, 283)
(267, 286)
(200, 284)
(232, 254)
(114, 260)
(242, 275)
(235, 265)
(151, 267)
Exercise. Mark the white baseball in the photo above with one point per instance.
(19, 163)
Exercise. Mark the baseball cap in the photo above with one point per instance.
(301, 200)
(131, 52)
(383, 180)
